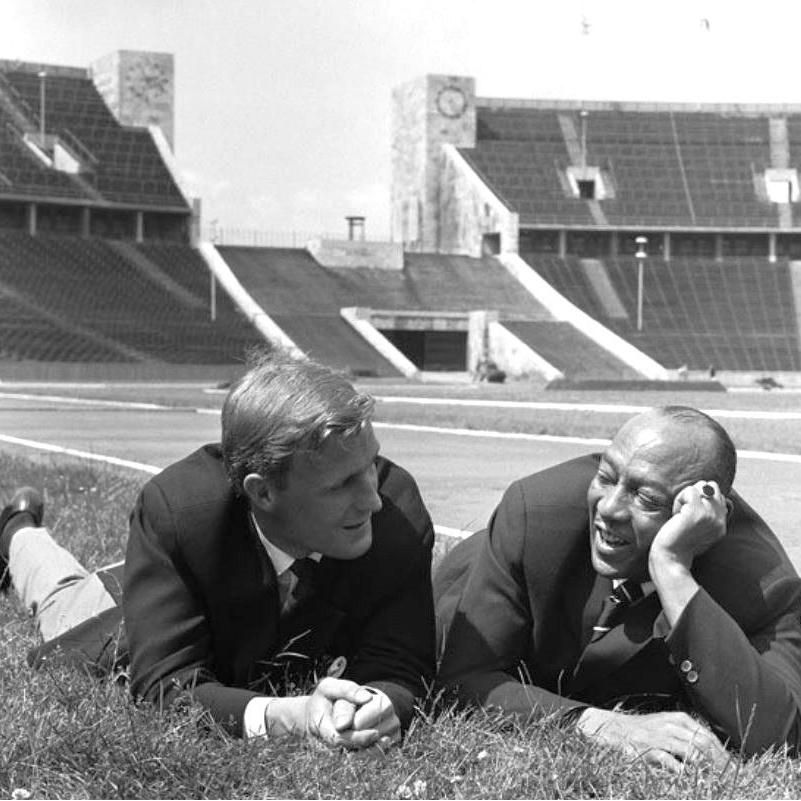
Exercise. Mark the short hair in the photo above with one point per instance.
(285, 404)
(724, 461)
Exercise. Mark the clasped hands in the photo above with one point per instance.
(338, 712)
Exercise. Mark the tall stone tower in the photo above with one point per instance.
(426, 114)
(139, 88)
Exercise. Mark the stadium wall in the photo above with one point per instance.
(81, 372)
(469, 209)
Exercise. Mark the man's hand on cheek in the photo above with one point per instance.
(697, 523)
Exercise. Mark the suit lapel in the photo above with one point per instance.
(621, 644)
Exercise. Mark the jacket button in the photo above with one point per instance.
(692, 676)
(686, 666)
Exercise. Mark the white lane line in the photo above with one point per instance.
(96, 457)
(69, 401)
(602, 408)
(473, 432)
(443, 531)
(791, 458)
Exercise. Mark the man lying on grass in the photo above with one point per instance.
(290, 552)
(673, 595)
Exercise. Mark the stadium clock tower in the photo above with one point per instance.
(139, 88)
(427, 113)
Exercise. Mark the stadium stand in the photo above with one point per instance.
(121, 164)
(736, 314)
(305, 298)
(570, 186)
(667, 168)
(91, 281)
(96, 267)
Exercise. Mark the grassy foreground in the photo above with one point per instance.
(65, 735)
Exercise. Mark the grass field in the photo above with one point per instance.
(66, 735)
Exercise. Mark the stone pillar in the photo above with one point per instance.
(32, 219)
(426, 113)
(562, 245)
(139, 225)
(666, 246)
(772, 247)
(86, 222)
(478, 344)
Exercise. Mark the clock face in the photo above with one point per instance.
(451, 101)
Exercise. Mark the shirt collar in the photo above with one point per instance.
(281, 560)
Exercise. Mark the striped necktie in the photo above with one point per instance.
(303, 589)
(614, 606)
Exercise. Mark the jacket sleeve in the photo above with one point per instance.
(397, 641)
(490, 634)
(168, 634)
(747, 685)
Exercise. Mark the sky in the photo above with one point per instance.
(283, 106)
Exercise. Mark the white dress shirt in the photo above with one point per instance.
(254, 722)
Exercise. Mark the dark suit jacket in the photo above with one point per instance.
(201, 604)
(516, 604)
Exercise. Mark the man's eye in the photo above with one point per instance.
(649, 501)
(604, 478)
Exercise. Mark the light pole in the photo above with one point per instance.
(42, 76)
(583, 115)
(641, 256)
(212, 279)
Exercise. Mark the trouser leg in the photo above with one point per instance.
(57, 590)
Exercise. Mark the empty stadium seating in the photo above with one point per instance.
(734, 314)
(305, 298)
(668, 168)
(78, 294)
(568, 350)
(121, 164)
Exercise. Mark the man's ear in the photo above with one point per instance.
(729, 508)
(259, 491)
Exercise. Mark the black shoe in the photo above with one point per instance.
(25, 499)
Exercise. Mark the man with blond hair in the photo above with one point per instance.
(290, 554)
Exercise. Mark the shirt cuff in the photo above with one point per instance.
(254, 721)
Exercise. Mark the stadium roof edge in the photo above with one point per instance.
(7, 65)
(645, 106)
(658, 228)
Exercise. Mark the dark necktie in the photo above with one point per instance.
(614, 606)
(304, 570)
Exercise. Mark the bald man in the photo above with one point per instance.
(637, 581)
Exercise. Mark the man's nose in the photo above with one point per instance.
(368, 497)
(613, 502)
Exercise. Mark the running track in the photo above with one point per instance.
(461, 477)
